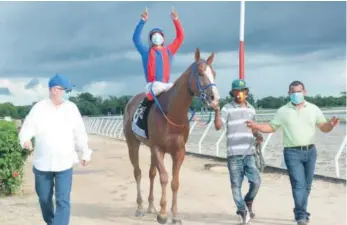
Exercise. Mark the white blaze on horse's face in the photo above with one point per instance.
(209, 74)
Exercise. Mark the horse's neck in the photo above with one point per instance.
(179, 99)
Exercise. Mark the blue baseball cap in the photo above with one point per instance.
(60, 80)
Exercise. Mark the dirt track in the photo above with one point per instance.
(105, 192)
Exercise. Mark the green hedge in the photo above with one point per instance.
(12, 159)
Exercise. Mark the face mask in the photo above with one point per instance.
(297, 98)
(157, 39)
(241, 96)
(65, 96)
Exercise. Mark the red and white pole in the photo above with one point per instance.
(242, 46)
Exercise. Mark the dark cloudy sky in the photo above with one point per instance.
(91, 42)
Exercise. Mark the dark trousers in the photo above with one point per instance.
(44, 184)
(300, 166)
(240, 166)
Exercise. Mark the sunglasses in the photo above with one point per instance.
(64, 89)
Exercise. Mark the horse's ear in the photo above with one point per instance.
(210, 59)
(197, 54)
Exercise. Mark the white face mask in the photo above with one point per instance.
(297, 97)
(65, 96)
(157, 39)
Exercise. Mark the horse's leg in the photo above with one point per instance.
(152, 174)
(133, 147)
(177, 160)
(162, 216)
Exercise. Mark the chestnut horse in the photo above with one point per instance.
(168, 129)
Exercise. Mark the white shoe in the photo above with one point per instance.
(245, 218)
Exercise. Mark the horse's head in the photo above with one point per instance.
(202, 80)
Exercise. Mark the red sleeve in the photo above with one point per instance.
(174, 46)
(151, 66)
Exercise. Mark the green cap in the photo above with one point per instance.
(238, 85)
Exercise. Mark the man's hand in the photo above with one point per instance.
(144, 15)
(84, 163)
(28, 145)
(334, 121)
(174, 14)
(215, 107)
(217, 120)
(217, 113)
(252, 125)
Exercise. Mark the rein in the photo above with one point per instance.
(201, 89)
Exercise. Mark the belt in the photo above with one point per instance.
(303, 148)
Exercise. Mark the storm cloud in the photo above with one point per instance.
(91, 42)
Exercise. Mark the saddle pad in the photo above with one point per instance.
(140, 120)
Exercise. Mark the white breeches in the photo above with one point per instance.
(158, 87)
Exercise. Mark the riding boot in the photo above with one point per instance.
(145, 102)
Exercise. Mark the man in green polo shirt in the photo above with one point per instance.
(298, 120)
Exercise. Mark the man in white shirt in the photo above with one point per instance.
(58, 128)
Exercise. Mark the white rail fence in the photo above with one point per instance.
(205, 140)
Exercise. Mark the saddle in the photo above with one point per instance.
(140, 119)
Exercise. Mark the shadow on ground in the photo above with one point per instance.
(111, 213)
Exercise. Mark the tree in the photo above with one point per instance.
(90, 105)
(123, 102)
(111, 105)
(250, 99)
(196, 104)
(23, 110)
(12, 159)
(8, 109)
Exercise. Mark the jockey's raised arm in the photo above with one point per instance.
(142, 49)
(157, 57)
(176, 44)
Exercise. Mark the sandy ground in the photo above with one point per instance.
(105, 193)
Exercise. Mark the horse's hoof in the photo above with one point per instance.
(176, 221)
(139, 213)
(162, 219)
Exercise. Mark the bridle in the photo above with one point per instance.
(201, 89)
(201, 92)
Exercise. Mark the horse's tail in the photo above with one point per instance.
(127, 112)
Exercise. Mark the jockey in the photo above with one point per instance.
(157, 58)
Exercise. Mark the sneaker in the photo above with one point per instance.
(244, 217)
(250, 210)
